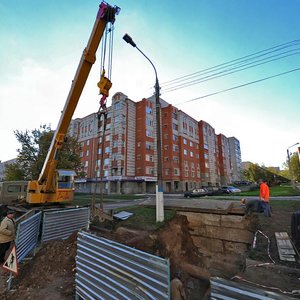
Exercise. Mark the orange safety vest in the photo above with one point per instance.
(264, 192)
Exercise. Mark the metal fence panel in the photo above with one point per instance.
(225, 289)
(61, 224)
(27, 235)
(109, 270)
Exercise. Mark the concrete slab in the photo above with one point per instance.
(200, 205)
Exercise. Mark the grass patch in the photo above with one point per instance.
(144, 218)
(275, 191)
(285, 205)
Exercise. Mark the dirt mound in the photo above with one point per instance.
(50, 275)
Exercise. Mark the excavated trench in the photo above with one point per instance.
(206, 238)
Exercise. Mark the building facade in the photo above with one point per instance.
(3, 167)
(123, 157)
(235, 159)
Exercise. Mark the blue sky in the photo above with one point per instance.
(41, 45)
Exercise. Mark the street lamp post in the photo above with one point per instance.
(159, 185)
(289, 164)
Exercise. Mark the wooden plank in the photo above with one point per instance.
(285, 247)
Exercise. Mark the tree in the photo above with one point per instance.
(294, 170)
(33, 152)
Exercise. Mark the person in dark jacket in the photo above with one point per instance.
(7, 233)
(252, 206)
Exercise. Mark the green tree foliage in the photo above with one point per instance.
(256, 172)
(33, 152)
(294, 172)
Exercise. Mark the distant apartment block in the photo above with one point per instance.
(3, 167)
(192, 154)
(235, 158)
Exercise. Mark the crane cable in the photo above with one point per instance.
(102, 117)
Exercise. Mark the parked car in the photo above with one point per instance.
(196, 193)
(230, 189)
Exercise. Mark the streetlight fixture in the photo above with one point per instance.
(159, 185)
(289, 164)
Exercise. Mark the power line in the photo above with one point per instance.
(249, 60)
(280, 46)
(239, 86)
(232, 70)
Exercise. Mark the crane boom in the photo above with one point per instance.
(46, 189)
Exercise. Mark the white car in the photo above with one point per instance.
(230, 189)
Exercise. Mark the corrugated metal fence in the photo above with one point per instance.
(61, 224)
(109, 270)
(27, 235)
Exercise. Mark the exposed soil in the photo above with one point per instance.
(50, 274)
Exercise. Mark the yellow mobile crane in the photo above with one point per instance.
(58, 185)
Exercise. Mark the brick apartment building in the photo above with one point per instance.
(192, 154)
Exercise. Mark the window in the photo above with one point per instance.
(100, 139)
(107, 150)
(166, 171)
(99, 151)
(149, 146)
(107, 138)
(184, 141)
(149, 122)
(86, 163)
(149, 171)
(184, 151)
(14, 188)
(176, 172)
(205, 146)
(88, 142)
(149, 157)
(166, 158)
(87, 152)
(117, 105)
(191, 144)
(81, 154)
(191, 153)
(175, 137)
(205, 155)
(148, 110)
(106, 161)
(175, 126)
(149, 133)
(175, 148)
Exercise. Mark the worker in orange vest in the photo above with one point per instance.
(264, 196)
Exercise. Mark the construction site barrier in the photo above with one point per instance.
(109, 270)
(60, 224)
(27, 235)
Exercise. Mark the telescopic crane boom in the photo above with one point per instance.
(58, 185)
